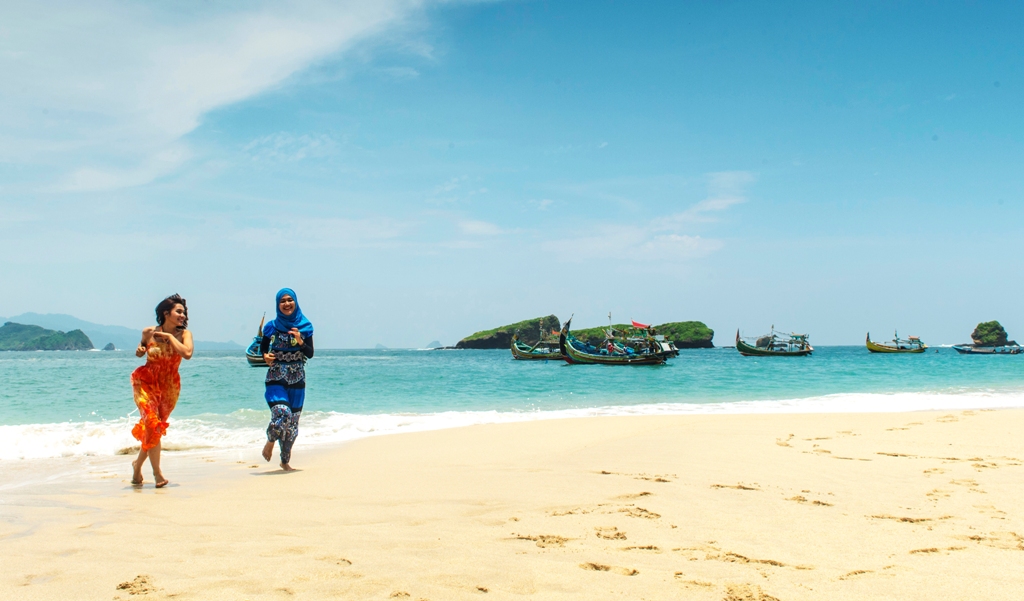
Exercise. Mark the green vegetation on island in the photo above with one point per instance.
(686, 334)
(18, 337)
(501, 337)
(990, 333)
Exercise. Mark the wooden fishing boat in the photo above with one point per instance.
(970, 349)
(544, 350)
(253, 354)
(578, 351)
(912, 344)
(775, 345)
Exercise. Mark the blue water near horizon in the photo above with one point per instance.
(68, 403)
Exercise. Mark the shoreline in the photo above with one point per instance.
(209, 433)
(917, 505)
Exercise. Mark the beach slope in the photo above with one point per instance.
(732, 507)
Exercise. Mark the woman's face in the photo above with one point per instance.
(287, 304)
(175, 317)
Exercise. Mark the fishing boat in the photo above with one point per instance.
(774, 345)
(912, 344)
(253, 354)
(970, 349)
(546, 348)
(613, 352)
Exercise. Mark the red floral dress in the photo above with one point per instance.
(156, 385)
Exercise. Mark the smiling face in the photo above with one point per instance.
(175, 318)
(286, 304)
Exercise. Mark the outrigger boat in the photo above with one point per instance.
(252, 354)
(574, 350)
(775, 345)
(898, 345)
(970, 349)
(546, 349)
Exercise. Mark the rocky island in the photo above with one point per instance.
(685, 334)
(501, 337)
(991, 333)
(19, 337)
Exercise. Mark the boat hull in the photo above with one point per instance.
(523, 352)
(989, 350)
(752, 351)
(874, 347)
(573, 355)
(252, 354)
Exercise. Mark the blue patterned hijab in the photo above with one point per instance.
(283, 322)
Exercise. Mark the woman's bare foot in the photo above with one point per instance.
(268, 450)
(160, 480)
(287, 467)
(136, 473)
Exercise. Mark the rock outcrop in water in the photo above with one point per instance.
(990, 333)
(501, 337)
(110, 347)
(686, 334)
(19, 337)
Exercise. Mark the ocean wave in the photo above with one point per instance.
(246, 428)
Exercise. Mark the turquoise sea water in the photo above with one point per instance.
(72, 403)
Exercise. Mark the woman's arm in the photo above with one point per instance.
(307, 347)
(147, 335)
(183, 347)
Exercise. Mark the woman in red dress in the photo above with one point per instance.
(156, 384)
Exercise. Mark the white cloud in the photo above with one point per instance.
(107, 89)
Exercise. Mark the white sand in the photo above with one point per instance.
(733, 507)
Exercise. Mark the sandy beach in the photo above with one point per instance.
(732, 507)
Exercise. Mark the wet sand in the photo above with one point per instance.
(721, 507)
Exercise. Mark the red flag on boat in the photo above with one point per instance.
(637, 324)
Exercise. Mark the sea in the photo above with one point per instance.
(79, 404)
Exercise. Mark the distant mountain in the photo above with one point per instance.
(21, 337)
(380, 347)
(122, 337)
(434, 344)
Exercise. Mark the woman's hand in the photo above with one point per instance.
(296, 335)
(269, 358)
(140, 350)
(163, 337)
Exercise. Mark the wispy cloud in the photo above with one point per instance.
(664, 238)
(108, 89)
(286, 147)
(479, 228)
(375, 232)
(725, 189)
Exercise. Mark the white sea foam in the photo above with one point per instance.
(245, 428)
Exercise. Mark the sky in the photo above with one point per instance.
(420, 170)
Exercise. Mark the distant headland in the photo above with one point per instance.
(21, 337)
(686, 334)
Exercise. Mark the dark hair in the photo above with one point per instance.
(167, 305)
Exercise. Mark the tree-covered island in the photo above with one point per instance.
(19, 337)
(686, 334)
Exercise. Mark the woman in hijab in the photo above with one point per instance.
(287, 344)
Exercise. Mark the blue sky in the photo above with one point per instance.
(422, 170)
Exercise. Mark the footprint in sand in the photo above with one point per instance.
(739, 486)
(746, 592)
(142, 585)
(544, 540)
(599, 567)
(609, 533)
